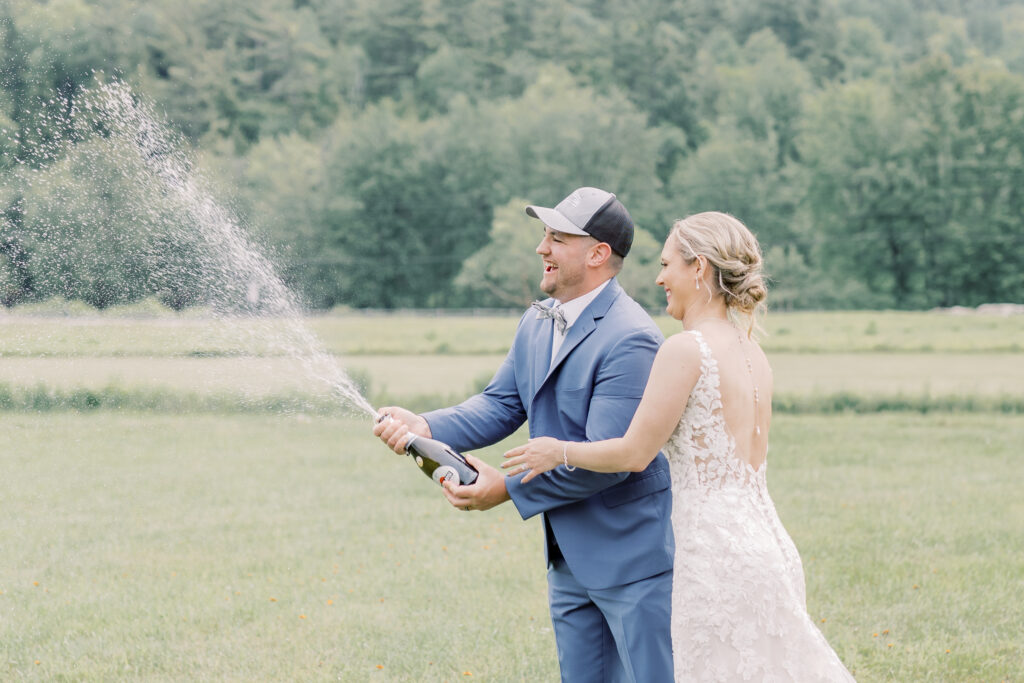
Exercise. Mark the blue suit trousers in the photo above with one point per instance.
(616, 635)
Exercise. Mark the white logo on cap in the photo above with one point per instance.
(575, 199)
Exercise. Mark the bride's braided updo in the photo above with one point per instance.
(735, 256)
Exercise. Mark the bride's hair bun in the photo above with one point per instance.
(733, 252)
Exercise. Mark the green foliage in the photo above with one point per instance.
(641, 268)
(915, 189)
(874, 147)
(560, 135)
(416, 204)
(242, 71)
(89, 256)
(505, 272)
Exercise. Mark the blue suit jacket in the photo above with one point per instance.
(612, 529)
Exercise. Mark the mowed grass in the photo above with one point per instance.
(247, 548)
(279, 541)
(403, 377)
(353, 334)
(920, 358)
(244, 547)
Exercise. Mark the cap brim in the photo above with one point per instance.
(554, 220)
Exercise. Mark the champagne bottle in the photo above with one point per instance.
(439, 461)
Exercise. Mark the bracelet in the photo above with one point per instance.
(565, 457)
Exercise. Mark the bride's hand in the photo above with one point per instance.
(538, 456)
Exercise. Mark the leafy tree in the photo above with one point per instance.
(1010, 22)
(915, 181)
(862, 49)
(78, 231)
(392, 35)
(50, 52)
(15, 279)
(748, 165)
(640, 269)
(559, 136)
(764, 95)
(444, 75)
(863, 194)
(736, 173)
(873, 145)
(280, 187)
(409, 203)
(806, 27)
(242, 70)
(506, 271)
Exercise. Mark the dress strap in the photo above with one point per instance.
(705, 350)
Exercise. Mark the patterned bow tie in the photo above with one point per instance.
(554, 312)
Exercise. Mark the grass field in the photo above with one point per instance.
(357, 334)
(926, 357)
(287, 548)
(402, 377)
(257, 542)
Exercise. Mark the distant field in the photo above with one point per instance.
(213, 547)
(403, 376)
(425, 359)
(358, 334)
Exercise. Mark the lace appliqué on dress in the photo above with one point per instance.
(738, 600)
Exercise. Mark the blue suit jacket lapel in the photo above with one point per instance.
(583, 326)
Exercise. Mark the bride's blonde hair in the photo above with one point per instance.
(735, 257)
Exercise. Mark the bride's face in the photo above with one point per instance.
(677, 278)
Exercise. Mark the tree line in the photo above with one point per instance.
(383, 150)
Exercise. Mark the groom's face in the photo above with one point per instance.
(564, 257)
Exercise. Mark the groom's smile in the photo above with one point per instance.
(563, 257)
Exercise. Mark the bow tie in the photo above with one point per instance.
(554, 312)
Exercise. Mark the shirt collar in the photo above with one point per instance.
(572, 310)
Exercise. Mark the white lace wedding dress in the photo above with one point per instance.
(738, 598)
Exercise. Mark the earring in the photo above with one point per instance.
(697, 280)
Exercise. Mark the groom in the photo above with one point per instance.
(576, 371)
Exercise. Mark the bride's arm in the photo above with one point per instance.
(673, 375)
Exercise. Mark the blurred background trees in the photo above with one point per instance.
(383, 150)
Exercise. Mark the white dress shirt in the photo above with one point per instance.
(572, 311)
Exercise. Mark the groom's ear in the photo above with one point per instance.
(598, 254)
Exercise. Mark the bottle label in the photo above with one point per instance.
(445, 473)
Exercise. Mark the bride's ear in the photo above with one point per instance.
(702, 265)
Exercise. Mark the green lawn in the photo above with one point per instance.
(927, 357)
(404, 376)
(141, 546)
(260, 535)
(356, 334)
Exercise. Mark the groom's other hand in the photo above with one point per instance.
(486, 492)
(394, 423)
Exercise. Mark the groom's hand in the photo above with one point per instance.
(394, 423)
(487, 491)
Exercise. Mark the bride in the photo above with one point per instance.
(738, 597)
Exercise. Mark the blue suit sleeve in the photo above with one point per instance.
(618, 387)
(483, 419)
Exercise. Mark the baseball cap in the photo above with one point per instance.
(590, 211)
